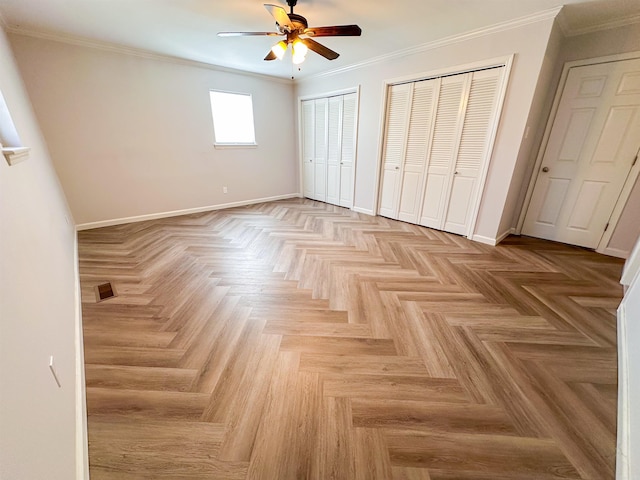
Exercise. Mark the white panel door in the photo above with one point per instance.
(308, 149)
(348, 146)
(320, 150)
(473, 148)
(593, 142)
(444, 147)
(395, 140)
(415, 159)
(334, 149)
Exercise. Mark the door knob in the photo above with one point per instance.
(397, 168)
(310, 161)
(455, 173)
(545, 169)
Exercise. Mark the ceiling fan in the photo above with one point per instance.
(297, 32)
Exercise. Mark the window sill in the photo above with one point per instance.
(15, 155)
(235, 145)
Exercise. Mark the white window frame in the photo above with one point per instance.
(247, 115)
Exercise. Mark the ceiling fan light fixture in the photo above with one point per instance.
(299, 48)
(279, 49)
(299, 51)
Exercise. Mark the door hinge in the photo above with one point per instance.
(606, 226)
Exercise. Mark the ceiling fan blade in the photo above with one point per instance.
(248, 34)
(334, 31)
(320, 49)
(280, 14)
(270, 56)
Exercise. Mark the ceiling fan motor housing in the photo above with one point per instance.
(298, 21)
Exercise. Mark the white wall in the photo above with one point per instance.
(132, 136)
(602, 43)
(628, 451)
(528, 42)
(627, 231)
(37, 304)
(537, 121)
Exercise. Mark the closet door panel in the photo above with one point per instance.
(308, 149)
(418, 138)
(458, 211)
(394, 147)
(388, 199)
(320, 142)
(334, 149)
(348, 149)
(473, 149)
(435, 190)
(446, 135)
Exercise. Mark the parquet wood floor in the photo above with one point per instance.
(297, 340)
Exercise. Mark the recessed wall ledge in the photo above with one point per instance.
(15, 154)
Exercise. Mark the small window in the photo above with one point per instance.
(10, 144)
(232, 119)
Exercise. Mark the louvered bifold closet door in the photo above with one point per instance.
(395, 139)
(415, 158)
(348, 153)
(473, 149)
(442, 154)
(334, 149)
(308, 149)
(320, 144)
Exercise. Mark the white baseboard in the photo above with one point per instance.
(186, 211)
(366, 211)
(615, 252)
(82, 441)
(485, 240)
(492, 241)
(622, 458)
(504, 235)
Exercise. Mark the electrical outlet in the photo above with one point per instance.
(224, 190)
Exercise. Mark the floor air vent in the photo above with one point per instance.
(104, 291)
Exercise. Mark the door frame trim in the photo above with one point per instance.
(315, 96)
(631, 177)
(498, 62)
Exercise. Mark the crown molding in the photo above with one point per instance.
(136, 52)
(574, 32)
(481, 32)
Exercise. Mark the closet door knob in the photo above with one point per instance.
(397, 168)
(545, 169)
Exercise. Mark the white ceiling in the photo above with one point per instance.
(187, 28)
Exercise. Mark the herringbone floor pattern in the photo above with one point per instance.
(295, 340)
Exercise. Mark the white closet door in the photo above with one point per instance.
(446, 135)
(308, 149)
(394, 147)
(473, 148)
(320, 143)
(348, 149)
(593, 142)
(334, 149)
(415, 159)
